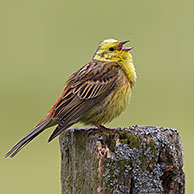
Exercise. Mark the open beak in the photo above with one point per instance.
(127, 49)
(121, 46)
(124, 42)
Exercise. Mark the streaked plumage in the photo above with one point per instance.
(95, 94)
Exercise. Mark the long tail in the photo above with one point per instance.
(29, 137)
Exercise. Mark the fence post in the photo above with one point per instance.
(134, 160)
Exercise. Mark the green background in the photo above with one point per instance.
(42, 42)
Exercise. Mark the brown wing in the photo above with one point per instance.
(83, 90)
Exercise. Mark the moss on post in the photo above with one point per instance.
(134, 160)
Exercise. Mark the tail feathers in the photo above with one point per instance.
(28, 138)
(58, 131)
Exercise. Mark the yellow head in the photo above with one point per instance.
(112, 50)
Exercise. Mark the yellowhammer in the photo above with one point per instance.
(95, 94)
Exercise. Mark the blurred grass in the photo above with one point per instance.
(43, 42)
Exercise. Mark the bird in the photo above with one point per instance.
(94, 95)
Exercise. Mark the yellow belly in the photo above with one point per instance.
(110, 108)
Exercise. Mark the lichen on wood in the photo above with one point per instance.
(134, 160)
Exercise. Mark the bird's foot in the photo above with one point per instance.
(101, 128)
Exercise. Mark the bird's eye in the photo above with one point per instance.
(111, 49)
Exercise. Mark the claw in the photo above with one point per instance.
(102, 128)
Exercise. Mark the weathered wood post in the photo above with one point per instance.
(134, 160)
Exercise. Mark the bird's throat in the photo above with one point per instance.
(129, 70)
